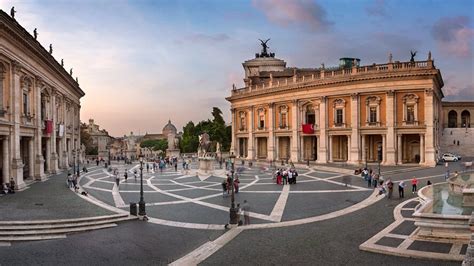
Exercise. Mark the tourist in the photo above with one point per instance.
(147, 167)
(229, 183)
(390, 188)
(246, 209)
(176, 166)
(236, 184)
(69, 180)
(135, 174)
(117, 180)
(414, 182)
(224, 188)
(290, 177)
(428, 183)
(74, 183)
(285, 177)
(369, 181)
(375, 181)
(125, 175)
(84, 169)
(381, 190)
(381, 179)
(401, 189)
(11, 187)
(278, 177)
(295, 175)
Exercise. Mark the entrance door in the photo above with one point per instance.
(309, 150)
(284, 148)
(24, 152)
(262, 148)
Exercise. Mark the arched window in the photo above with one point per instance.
(410, 109)
(452, 119)
(339, 112)
(310, 115)
(373, 110)
(465, 119)
(283, 116)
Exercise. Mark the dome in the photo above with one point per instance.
(169, 129)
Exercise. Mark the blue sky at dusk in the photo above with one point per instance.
(143, 62)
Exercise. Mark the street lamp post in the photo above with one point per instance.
(379, 156)
(141, 203)
(233, 210)
(73, 162)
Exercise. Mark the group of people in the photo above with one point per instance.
(72, 181)
(8, 188)
(387, 187)
(227, 185)
(285, 176)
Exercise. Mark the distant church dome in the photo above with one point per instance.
(169, 129)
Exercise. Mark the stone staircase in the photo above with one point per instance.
(53, 229)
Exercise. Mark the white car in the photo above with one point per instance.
(448, 157)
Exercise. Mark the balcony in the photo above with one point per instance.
(372, 124)
(283, 127)
(261, 129)
(339, 125)
(410, 123)
(242, 129)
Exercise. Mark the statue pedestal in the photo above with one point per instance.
(173, 153)
(205, 169)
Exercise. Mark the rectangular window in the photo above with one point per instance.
(410, 113)
(283, 120)
(262, 122)
(339, 117)
(25, 103)
(310, 119)
(373, 114)
(242, 123)
(43, 110)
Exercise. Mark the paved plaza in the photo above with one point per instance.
(318, 220)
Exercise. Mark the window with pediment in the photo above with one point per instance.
(261, 118)
(310, 114)
(410, 109)
(26, 86)
(283, 110)
(243, 118)
(339, 106)
(373, 110)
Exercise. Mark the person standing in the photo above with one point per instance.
(125, 175)
(401, 189)
(369, 180)
(236, 184)
(390, 188)
(246, 209)
(414, 182)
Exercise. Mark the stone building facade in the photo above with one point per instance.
(39, 108)
(341, 114)
(458, 132)
(100, 137)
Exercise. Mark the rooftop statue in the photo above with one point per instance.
(264, 52)
(413, 54)
(51, 49)
(35, 33)
(12, 12)
(70, 72)
(62, 62)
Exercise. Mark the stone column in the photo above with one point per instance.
(271, 132)
(251, 148)
(31, 157)
(39, 162)
(390, 118)
(349, 148)
(384, 149)
(294, 132)
(233, 124)
(330, 145)
(422, 149)
(430, 153)
(17, 163)
(54, 156)
(363, 149)
(48, 156)
(399, 149)
(322, 152)
(6, 160)
(354, 148)
(64, 145)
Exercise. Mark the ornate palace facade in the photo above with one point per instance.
(350, 113)
(39, 108)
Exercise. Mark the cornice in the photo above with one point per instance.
(13, 29)
(331, 81)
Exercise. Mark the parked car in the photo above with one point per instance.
(454, 154)
(449, 157)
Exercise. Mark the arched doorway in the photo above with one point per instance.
(465, 119)
(452, 119)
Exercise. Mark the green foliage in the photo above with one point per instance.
(216, 128)
(86, 139)
(156, 145)
(92, 150)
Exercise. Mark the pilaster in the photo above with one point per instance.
(251, 148)
(390, 118)
(17, 163)
(322, 156)
(271, 132)
(354, 152)
(430, 153)
(294, 132)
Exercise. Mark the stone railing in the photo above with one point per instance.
(322, 74)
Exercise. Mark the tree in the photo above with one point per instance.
(189, 140)
(86, 139)
(157, 145)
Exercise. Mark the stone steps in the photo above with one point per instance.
(54, 229)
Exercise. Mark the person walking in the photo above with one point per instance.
(390, 188)
(414, 182)
(125, 175)
(246, 209)
(401, 189)
(369, 180)
(236, 184)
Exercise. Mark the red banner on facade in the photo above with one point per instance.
(308, 128)
(48, 127)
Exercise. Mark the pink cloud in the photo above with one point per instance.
(286, 13)
(454, 36)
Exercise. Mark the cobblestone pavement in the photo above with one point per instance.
(317, 221)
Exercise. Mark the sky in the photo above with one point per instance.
(141, 63)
